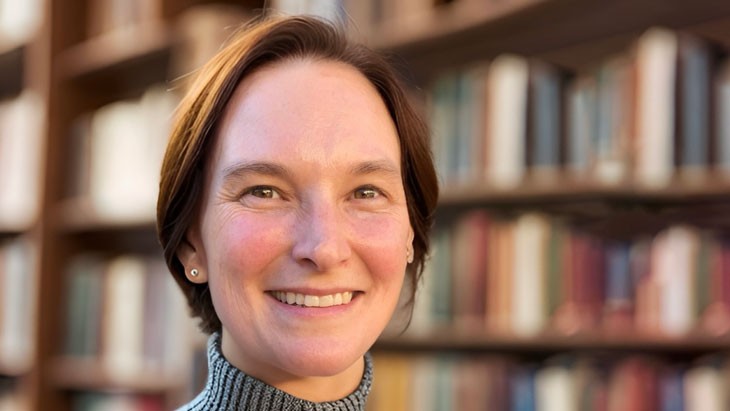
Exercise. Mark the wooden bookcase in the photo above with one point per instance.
(78, 67)
(575, 37)
(80, 60)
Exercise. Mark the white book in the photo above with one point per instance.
(17, 335)
(529, 314)
(555, 389)
(507, 82)
(22, 124)
(124, 316)
(127, 145)
(704, 389)
(656, 58)
(19, 21)
(674, 256)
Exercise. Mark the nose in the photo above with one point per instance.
(322, 237)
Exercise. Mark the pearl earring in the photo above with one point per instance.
(194, 272)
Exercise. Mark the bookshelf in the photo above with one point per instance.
(79, 61)
(69, 72)
(608, 200)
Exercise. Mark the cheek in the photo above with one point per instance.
(382, 242)
(244, 247)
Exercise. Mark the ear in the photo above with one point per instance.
(191, 254)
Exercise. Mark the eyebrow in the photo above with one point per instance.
(372, 167)
(264, 168)
(272, 169)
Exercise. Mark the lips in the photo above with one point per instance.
(307, 300)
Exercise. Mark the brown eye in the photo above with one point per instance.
(366, 193)
(262, 192)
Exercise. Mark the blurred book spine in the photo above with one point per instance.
(643, 116)
(127, 312)
(18, 296)
(531, 273)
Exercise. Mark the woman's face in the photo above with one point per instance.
(304, 230)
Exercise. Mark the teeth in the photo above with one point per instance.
(313, 300)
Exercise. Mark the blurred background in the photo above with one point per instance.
(580, 258)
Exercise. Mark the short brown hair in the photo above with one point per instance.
(269, 40)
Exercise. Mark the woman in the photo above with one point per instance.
(297, 194)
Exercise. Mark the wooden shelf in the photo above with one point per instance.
(463, 31)
(611, 210)
(78, 215)
(566, 190)
(549, 344)
(88, 374)
(120, 61)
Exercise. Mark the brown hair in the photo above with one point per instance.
(268, 40)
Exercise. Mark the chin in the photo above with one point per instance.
(321, 360)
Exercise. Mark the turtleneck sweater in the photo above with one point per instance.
(229, 388)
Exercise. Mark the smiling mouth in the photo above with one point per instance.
(306, 300)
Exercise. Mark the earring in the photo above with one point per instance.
(194, 272)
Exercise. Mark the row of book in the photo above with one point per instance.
(116, 154)
(647, 115)
(127, 312)
(566, 383)
(18, 288)
(117, 402)
(532, 273)
(21, 157)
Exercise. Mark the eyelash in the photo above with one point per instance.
(252, 190)
(274, 192)
(378, 192)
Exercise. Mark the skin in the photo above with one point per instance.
(304, 194)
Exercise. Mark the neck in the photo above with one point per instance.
(321, 389)
(231, 388)
(310, 388)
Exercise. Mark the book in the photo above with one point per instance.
(507, 89)
(582, 107)
(84, 294)
(544, 119)
(105, 16)
(202, 30)
(470, 244)
(704, 388)
(19, 21)
(128, 140)
(22, 124)
(443, 106)
(529, 313)
(694, 80)
(611, 147)
(122, 326)
(673, 260)
(18, 303)
(721, 105)
(656, 56)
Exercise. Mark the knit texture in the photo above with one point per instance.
(229, 388)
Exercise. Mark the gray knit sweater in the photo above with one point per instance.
(228, 388)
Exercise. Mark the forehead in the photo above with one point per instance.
(305, 110)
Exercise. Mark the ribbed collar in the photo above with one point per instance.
(229, 388)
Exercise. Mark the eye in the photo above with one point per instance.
(262, 192)
(366, 192)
